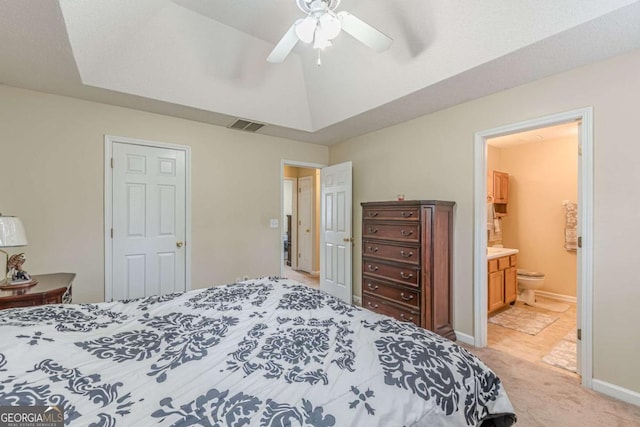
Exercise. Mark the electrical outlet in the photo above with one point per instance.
(274, 223)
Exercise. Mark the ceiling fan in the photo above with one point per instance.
(322, 25)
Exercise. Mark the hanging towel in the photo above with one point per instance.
(570, 225)
(493, 224)
(490, 216)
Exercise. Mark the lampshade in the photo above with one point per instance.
(306, 28)
(12, 232)
(330, 25)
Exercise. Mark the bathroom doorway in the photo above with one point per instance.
(532, 191)
(545, 167)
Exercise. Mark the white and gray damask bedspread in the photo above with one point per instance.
(269, 352)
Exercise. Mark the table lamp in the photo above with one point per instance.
(12, 235)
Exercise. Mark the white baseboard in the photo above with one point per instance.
(464, 338)
(356, 300)
(557, 297)
(616, 392)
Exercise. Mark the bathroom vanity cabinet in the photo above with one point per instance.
(503, 282)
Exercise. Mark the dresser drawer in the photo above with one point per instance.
(381, 307)
(380, 289)
(407, 275)
(404, 253)
(503, 263)
(408, 214)
(408, 232)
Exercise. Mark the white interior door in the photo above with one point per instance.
(335, 232)
(305, 224)
(148, 220)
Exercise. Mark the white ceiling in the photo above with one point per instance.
(205, 59)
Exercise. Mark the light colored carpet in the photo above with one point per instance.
(302, 277)
(523, 320)
(543, 397)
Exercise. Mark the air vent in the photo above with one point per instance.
(246, 125)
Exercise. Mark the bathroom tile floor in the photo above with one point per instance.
(534, 347)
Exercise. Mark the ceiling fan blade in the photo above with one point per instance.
(364, 32)
(284, 46)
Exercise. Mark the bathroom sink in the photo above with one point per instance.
(495, 252)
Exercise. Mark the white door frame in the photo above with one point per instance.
(109, 140)
(585, 211)
(295, 164)
(294, 220)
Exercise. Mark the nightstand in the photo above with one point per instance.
(51, 289)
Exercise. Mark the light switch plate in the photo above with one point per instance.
(273, 223)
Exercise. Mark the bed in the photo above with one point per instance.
(265, 352)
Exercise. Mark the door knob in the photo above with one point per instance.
(179, 244)
(348, 239)
(307, 230)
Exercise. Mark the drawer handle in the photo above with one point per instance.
(372, 287)
(372, 249)
(406, 319)
(405, 297)
(406, 214)
(372, 230)
(372, 267)
(372, 305)
(406, 233)
(405, 276)
(373, 214)
(405, 254)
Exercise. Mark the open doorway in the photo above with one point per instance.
(301, 224)
(583, 232)
(532, 192)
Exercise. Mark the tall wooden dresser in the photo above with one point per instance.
(406, 262)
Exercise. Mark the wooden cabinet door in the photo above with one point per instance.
(500, 187)
(510, 285)
(496, 290)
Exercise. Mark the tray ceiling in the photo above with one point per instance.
(205, 59)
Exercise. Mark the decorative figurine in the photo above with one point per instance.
(14, 265)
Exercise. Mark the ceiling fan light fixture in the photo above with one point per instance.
(320, 42)
(305, 29)
(321, 25)
(330, 26)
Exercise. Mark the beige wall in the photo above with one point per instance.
(51, 175)
(541, 176)
(431, 157)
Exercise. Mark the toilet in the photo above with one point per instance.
(528, 282)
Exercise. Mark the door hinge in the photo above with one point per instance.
(579, 334)
(112, 163)
(112, 233)
(579, 241)
(579, 149)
